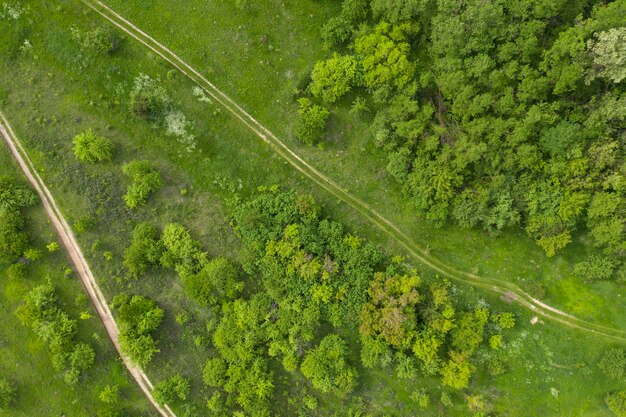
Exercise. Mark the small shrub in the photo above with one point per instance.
(505, 320)
(33, 254)
(53, 247)
(495, 342)
(420, 398)
(89, 147)
(177, 125)
(616, 403)
(100, 40)
(7, 393)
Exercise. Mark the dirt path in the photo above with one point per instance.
(68, 240)
(418, 253)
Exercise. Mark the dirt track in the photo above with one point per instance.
(69, 242)
(493, 285)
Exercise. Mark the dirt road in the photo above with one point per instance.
(68, 240)
(493, 285)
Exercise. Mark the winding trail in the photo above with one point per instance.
(508, 289)
(82, 267)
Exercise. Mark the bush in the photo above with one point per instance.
(110, 394)
(616, 403)
(100, 40)
(595, 268)
(613, 363)
(148, 98)
(145, 180)
(169, 390)
(7, 393)
(13, 241)
(311, 123)
(14, 196)
(89, 147)
(421, 398)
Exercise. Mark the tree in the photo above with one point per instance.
(384, 56)
(181, 252)
(613, 363)
(311, 122)
(7, 393)
(89, 147)
(616, 403)
(390, 311)
(327, 368)
(608, 50)
(595, 268)
(139, 318)
(172, 389)
(216, 281)
(144, 251)
(333, 78)
(395, 11)
(145, 180)
(456, 372)
(82, 357)
(13, 241)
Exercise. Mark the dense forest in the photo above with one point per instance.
(492, 114)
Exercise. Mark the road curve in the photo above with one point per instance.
(489, 284)
(68, 240)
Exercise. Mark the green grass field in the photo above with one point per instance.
(54, 91)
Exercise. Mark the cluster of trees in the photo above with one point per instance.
(494, 114)
(207, 281)
(14, 242)
(138, 317)
(314, 278)
(313, 273)
(51, 324)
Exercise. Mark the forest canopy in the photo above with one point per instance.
(494, 114)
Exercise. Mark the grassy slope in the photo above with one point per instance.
(24, 359)
(49, 102)
(230, 52)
